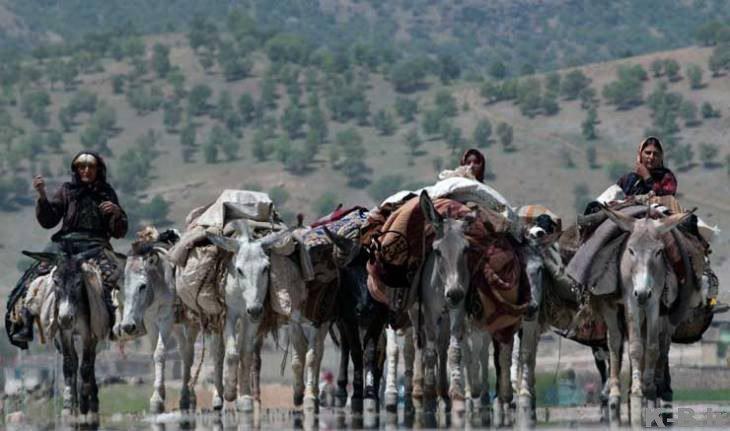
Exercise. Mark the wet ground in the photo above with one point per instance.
(335, 419)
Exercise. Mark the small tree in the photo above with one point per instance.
(118, 84)
(292, 121)
(258, 145)
(694, 73)
(247, 108)
(210, 152)
(279, 196)
(161, 60)
(682, 155)
(413, 142)
(657, 68)
(708, 111)
(406, 108)
(688, 110)
(671, 67)
(188, 136)
(573, 83)
(506, 135)
(708, 154)
(384, 122)
(172, 116)
(589, 125)
(482, 133)
(591, 156)
(325, 204)
(198, 99)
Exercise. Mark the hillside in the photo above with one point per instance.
(521, 34)
(533, 171)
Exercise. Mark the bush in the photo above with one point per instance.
(708, 154)
(694, 73)
(385, 186)
(325, 204)
(616, 169)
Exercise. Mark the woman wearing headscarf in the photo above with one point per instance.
(90, 215)
(649, 173)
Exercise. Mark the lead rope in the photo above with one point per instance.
(202, 356)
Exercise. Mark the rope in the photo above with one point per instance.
(557, 364)
(202, 358)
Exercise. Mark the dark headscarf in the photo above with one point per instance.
(99, 187)
(473, 151)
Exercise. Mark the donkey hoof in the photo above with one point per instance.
(526, 411)
(157, 404)
(92, 418)
(614, 410)
(356, 405)
(458, 406)
(371, 405)
(391, 402)
(217, 403)
(298, 399)
(636, 409)
(244, 404)
(311, 404)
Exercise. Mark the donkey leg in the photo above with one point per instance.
(615, 342)
(454, 361)
(408, 348)
(505, 385)
(391, 370)
(244, 401)
(527, 358)
(297, 361)
(311, 363)
(70, 367)
(89, 404)
(186, 346)
(636, 356)
(157, 402)
(357, 357)
(256, 373)
(231, 358)
(372, 370)
(342, 378)
(218, 346)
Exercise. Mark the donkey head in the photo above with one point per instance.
(68, 281)
(450, 248)
(249, 266)
(143, 273)
(643, 265)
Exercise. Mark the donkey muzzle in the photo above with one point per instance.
(454, 296)
(254, 311)
(642, 297)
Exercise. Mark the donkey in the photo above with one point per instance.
(149, 300)
(644, 274)
(76, 292)
(246, 286)
(445, 282)
(361, 320)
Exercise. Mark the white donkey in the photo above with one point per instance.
(246, 286)
(445, 281)
(644, 274)
(149, 301)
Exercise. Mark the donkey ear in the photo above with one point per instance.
(339, 242)
(668, 223)
(429, 211)
(224, 243)
(44, 257)
(626, 223)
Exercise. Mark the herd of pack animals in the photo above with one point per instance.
(430, 322)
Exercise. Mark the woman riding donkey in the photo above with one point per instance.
(91, 215)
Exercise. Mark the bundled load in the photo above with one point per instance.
(202, 267)
(400, 238)
(323, 281)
